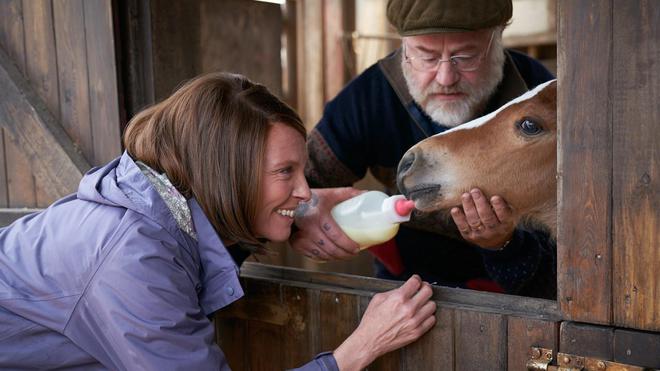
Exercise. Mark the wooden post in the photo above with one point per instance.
(584, 246)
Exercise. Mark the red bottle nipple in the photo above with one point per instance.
(404, 207)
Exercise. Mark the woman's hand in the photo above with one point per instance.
(319, 237)
(392, 320)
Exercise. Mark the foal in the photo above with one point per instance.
(511, 152)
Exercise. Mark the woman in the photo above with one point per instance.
(125, 273)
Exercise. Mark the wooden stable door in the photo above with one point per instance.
(289, 315)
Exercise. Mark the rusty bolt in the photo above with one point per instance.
(536, 353)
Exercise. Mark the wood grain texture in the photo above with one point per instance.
(4, 192)
(19, 184)
(435, 349)
(480, 341)
(311, 96)
(263, 334)
(637, 348)
(320, 314)
(103, 91)
(336, 23)
(32, 128)
(636, 164)
(41, 67)
(243, 37)
(584, 246)
(338, 316)
(231, 336)
(298, 334)
(73, 73)
(586, 340)
(446, 296)
(524, 333)
(175, 54)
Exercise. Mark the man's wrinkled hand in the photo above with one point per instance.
(486, 223)
(318, 236)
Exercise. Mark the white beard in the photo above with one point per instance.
(454, 113)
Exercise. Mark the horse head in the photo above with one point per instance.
(511, 152)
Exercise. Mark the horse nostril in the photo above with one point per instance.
(406, 163)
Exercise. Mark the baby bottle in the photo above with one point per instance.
(372, 217)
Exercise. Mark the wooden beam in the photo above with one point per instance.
(584, 101)
(34, 130)
(8, 216)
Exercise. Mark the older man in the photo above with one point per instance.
(450, 68)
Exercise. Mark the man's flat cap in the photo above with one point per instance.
(418, 17)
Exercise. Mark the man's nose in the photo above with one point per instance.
(447, 74)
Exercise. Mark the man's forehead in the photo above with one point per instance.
(452, 40)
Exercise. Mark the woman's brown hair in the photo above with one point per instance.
(209, 138)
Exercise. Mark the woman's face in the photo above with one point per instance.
(283, 182)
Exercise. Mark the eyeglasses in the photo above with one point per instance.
(462, 62)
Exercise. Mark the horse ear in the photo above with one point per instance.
(550, 92)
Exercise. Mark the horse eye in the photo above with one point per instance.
(529, 127)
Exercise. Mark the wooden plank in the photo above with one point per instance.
(436, 347)
(335, 14)
(136, 55)
(175, 53)
(73, 73)
(19, 182)
(8, 216)
(4, 191)
(231, 336)
(524, 333)
(637, 348)
(243, 37)
(41, 56)
(310, 62)
(584, 249)
(22, 187)
(33, 129)
(266, 339)
(297, 347)
(339, 317)
(41, 67)
(387, 362)
(103, 93)
(290, 70)
(447, 296)
(480, 341)
(636, 164)
(586, 340)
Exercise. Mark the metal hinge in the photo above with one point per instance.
(541, 358)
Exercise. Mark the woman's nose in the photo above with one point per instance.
(302, 190)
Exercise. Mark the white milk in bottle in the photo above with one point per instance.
(372, 217)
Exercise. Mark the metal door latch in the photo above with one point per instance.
(540, 359)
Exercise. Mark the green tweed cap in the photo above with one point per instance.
(418, 17)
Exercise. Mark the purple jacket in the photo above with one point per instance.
(104, 279)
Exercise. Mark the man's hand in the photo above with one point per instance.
(487, 224)
(319, 237)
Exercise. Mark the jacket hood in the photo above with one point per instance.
(121, 183)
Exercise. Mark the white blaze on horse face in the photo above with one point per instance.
(484, 119)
